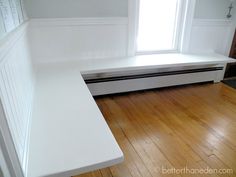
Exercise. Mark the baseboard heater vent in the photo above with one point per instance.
(148, 75)
(110, 83)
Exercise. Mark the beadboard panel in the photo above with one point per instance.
(210, 36)
(4, 169)
(77, 39)
(16, 89)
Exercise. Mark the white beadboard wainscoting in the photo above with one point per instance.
(67, 39)
(79, 38)
(16, 91)
(211, 35)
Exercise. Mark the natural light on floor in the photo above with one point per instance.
(157, 25)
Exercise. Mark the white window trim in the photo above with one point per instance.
(155, 52)
(133, 11)
(189, 11)
(187, 8)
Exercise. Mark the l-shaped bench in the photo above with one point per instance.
(69, 134)
(108, 76)
(50, 125)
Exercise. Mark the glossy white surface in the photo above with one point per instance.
(67, 39)
(69, 134)
(149, 61)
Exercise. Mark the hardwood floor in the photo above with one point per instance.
(191, 127)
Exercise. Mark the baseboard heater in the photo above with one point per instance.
(110, 83)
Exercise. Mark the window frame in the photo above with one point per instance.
(183, 28)
(177, 32)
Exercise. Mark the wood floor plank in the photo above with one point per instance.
(191, 127)
(106, 172)
(175, 151)
(143, 145)
(221, 147)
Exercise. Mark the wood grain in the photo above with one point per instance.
(190, 126)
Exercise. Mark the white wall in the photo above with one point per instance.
(56, 39)
(211, 30)
(76, 8)
(77, 29)
(212, 9)
(75, 39)
(209, 36)
(16, 90)
(209, 9)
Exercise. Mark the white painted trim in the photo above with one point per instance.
(4, 169)
(7, 44)
(189, 11)
(179, 24)
(133, 11)
(211, 22)
(230, 38)
(79, 21)
(7, 143)
(25, 161)
(220, 75)
(133, 28)
(10, 39)
(156, 52)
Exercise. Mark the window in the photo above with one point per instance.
(159, 26)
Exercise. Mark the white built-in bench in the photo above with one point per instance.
(150, 62)
(108, 76)
(69, 135)
(50, 123)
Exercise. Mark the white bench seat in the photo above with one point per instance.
(154, 61)
(109, 76)
(69, 134)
